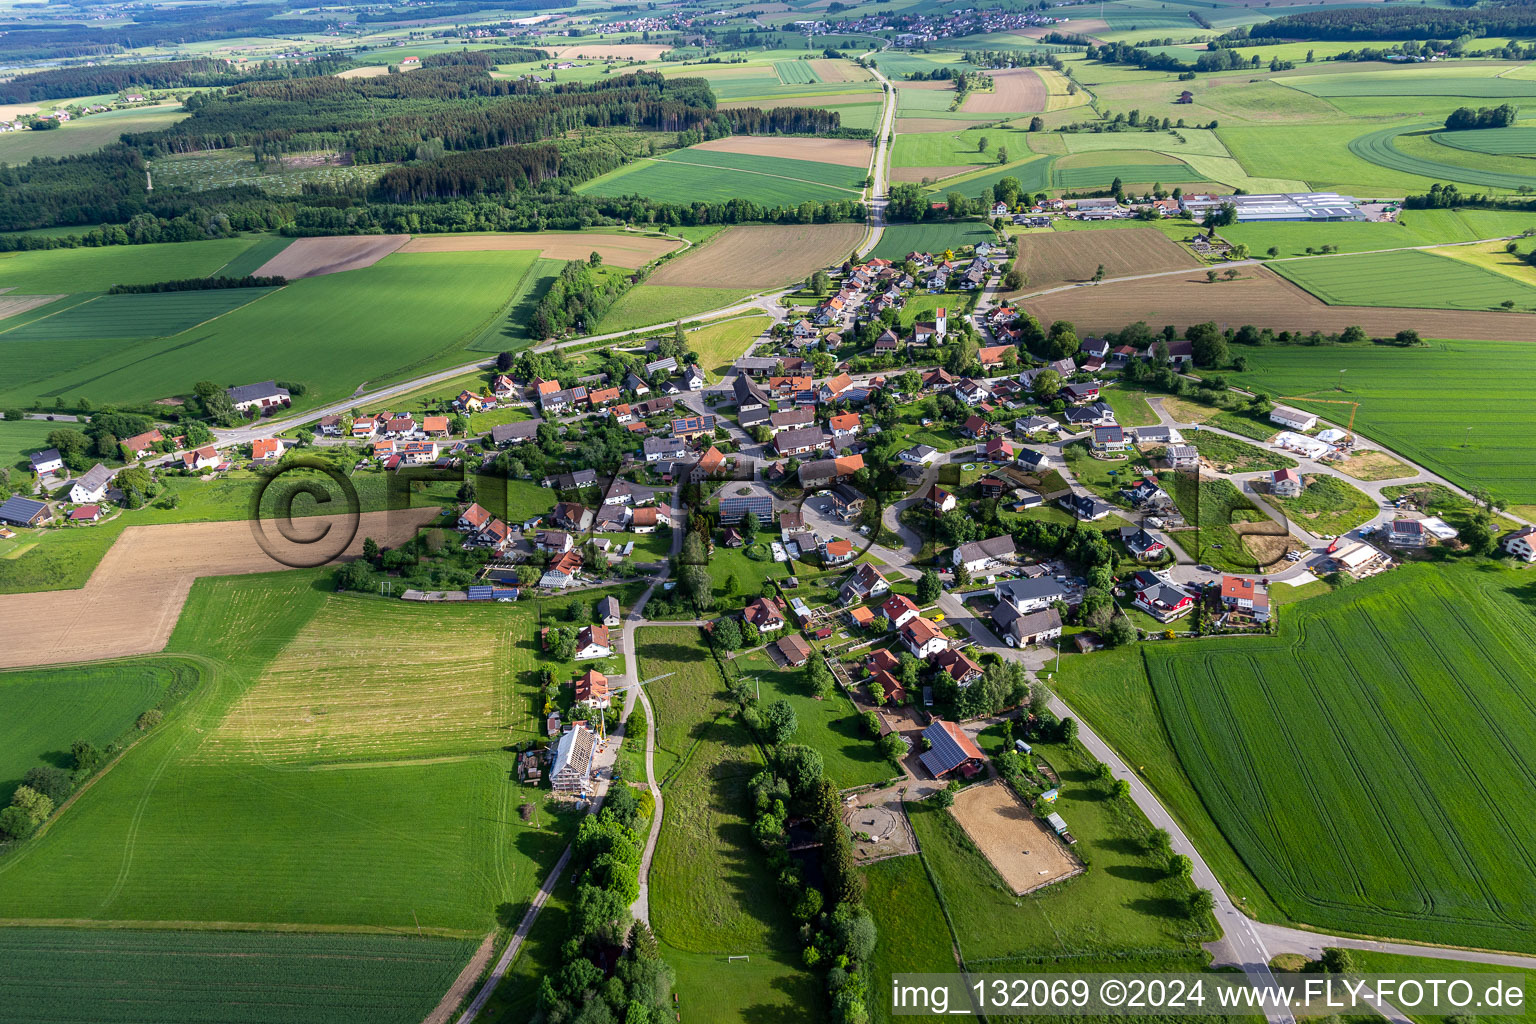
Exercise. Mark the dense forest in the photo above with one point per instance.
(454, 10)
(1396, 21)
(387, 119)
(149, 27)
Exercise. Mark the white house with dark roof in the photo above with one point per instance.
(92, 486)
(977, 555)
(266, 395)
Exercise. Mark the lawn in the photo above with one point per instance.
(121, 976)
(1328, 506)
(1422, 402)
(710, 894)
(900, 239)
(19, 438)
(1366, 765)
(650, 305)
(1125, 902)
(296, 838)
(404, 315)
(680, 181)
(1131, 408)
(1104, 477)
(830, 726)
(47, 709)
(722, 344)
(1236, 456)
(1415, 279)
(1260, 429)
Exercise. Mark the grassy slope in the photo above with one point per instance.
(647, 305)
(49, 271)
(384, 843)
(1329, 505)
(1406, 279)
(1400, 706)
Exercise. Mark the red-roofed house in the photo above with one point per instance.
(961, 669)
(766, 614)
(899, 610)
(836, 386)
(923, 638)
(85, 514)
(266, 449)
(1246, 595)
(837, 552)
(434, 426)
(845, 425)
(592, 689)
(140, 445)
(891, 689)
(993, 356)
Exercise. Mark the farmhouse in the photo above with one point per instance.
(825, 471)
(950, 750)
(266, 395)
(832, 389)
(592, 642)
(201, 458)
(571, 769)
(799, 442)
(793, 649)
(140, 445)
(92, 486)
(1293, 419)
(977, 555)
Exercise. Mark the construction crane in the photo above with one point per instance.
(1353, 408)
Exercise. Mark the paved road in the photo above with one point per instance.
(879, 191)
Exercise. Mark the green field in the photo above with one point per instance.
(1412, 228)
(1368, 765)
(18, 438)
(1495, 141)
(1103, 175)
(1371, 962)
(1391, 83)
(684, 182)
(294, 783)
(1033, 175)
(909, 920)
(1421, 402)
(831, 726)
(86, 134)
(1212, 507)
(781, 167)
(1377, 147)
(720, 345)
(63, 271)
(1411, 278)
(1240, 456)
(404, 315)
(900, 239)
(47, 709)
(647, 305)
(124, 976)
(941, 149)
(118, 317)
(710, 892)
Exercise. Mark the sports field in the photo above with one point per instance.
(1420, 402)
(1369, 763)
(1406, 279)
(124, 976)
(405, 314)
(900, 239)
(387, 842)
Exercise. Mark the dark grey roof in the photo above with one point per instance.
(524, 430)
(747, 392)
(97, 477)
(945, 755)
(580, 478)
(994, 547)
(668, 363)
(664, 445)
(608, 606)
(752, 417)
(251, 392)
(1042, 588)
(46, 455)
(806, 437)
(22, 511)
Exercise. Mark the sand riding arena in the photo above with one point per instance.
(1023, 849)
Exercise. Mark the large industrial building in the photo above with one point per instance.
(1306, 206)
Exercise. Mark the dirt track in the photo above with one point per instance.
(1262, 299)
(1023, 850)
(843, 152)
(131, 602)
(761, 256)
(311, 257)
(620, 250)
(1015, 91)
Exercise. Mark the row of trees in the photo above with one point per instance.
(1398, 21)
(1465, 118)
(198, 284)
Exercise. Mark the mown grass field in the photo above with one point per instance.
(404, 315)
(722, 344)
(1413, 279)
(47, 709)
(56, 271)
(910, 922)
(86, 134)
(20, 437)
(123, 976)
(1421, 402)
(647, 305)
(1493, 141)
(1102, 175)
(900, 239)
(1368, 764)
(1213, 507)
(710, 892)
(1412, 228)
(387, 843)
(1371, 962)
(835, 175)
(678, 181)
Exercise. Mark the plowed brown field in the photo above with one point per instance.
(1069, 257)
(11, 305)
(629, 51)
(311, 257)
(1264, 300)
(1015, 91)
(130, 603)
(843, 152)
(761, 256)
(620, 250)
(839, 70)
